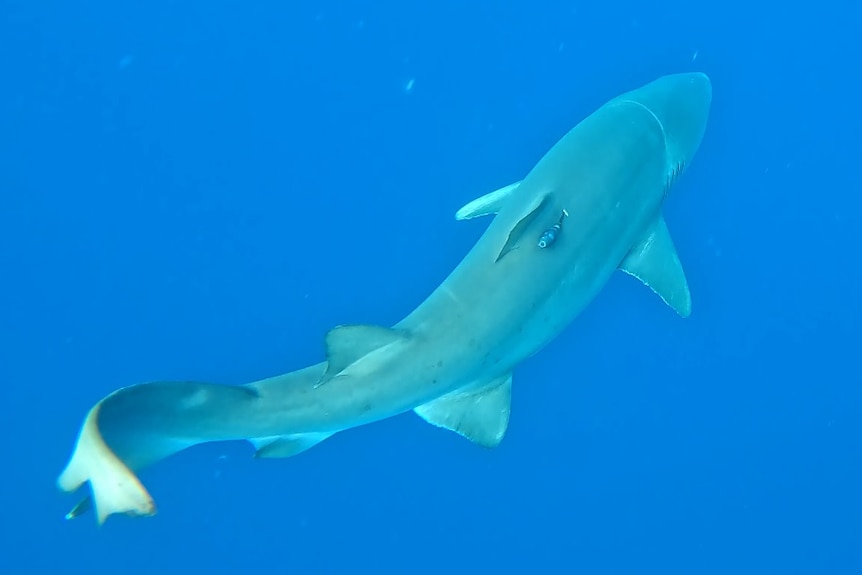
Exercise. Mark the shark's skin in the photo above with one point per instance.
(451, 359)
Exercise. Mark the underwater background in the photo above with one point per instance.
(200, 190)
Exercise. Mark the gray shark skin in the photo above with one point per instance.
(594, 200)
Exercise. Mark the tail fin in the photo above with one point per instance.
(114, 486)
(139, 425)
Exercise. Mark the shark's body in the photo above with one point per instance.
(596, 198)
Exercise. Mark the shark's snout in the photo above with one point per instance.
(680, 102)
(687, 106)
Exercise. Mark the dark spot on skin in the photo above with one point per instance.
(366, 407)
(440, 363)
(433, 382)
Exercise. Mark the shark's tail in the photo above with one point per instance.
(139, 425)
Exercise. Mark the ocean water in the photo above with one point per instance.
(201, 190)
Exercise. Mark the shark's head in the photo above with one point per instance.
(680, 104)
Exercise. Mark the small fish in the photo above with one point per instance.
(549, 236)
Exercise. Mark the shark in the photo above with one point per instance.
(591, 206)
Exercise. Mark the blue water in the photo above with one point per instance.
(200, 190)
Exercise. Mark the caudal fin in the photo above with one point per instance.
(139, 425)
(115, 488)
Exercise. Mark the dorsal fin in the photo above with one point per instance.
(347, 344)
(655, 262)
(481, 414)
(487, 204)
(517, 232)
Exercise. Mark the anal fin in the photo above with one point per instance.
(287, 445)
(358, 347)
(479, 413)
(654, 262)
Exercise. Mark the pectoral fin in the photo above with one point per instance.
(655, 262)
(487, 204)
(479, 413)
